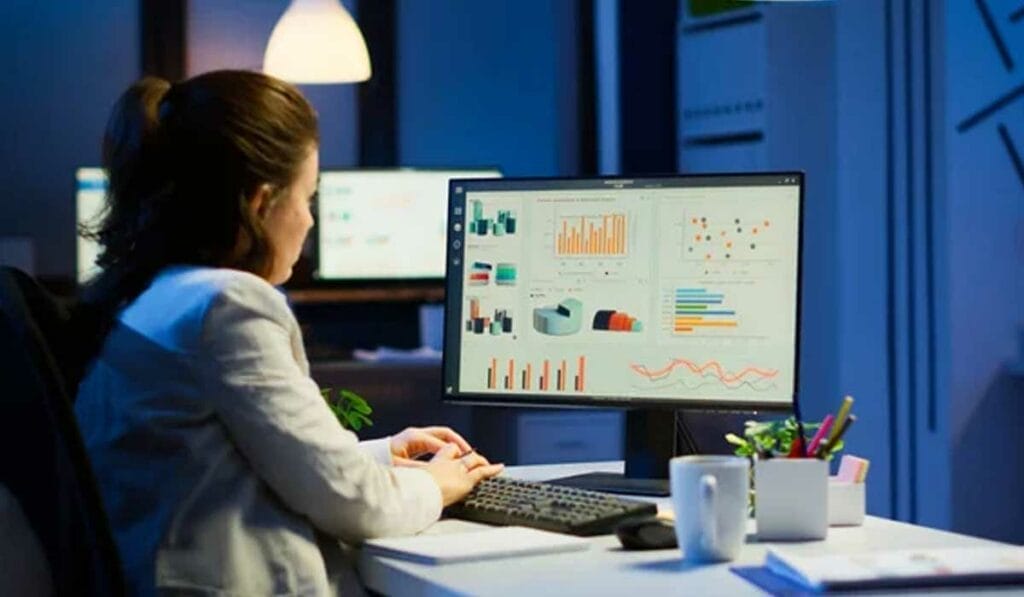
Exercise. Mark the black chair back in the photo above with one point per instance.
(43, 461)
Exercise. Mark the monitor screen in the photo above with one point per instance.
(384, 224)
(678, 291)
(90, 193)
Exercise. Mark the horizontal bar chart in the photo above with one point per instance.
(696, 308)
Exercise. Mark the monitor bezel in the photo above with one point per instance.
(78, 281)
(316, 281)
(577, 401)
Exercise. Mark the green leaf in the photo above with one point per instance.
(735, 440)
(357, 402)
(349, 408)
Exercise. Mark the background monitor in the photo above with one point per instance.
(677, 292)
(384, 224)
(90, 194)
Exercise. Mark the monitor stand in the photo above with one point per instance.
(653, 437)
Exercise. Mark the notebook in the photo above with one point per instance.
(902, 568)
(492, 543)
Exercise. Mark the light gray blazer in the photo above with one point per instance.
(219, 463)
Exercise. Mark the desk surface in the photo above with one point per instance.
(606, 569)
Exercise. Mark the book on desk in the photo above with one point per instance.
(904, 568)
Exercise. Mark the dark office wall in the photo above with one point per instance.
(64, 64)
(931, 236)
(861, 237)
(984, 307)
(233, 34)
(890, 197)
(488, 83)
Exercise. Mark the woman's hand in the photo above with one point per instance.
(414, 442)
(456, 476)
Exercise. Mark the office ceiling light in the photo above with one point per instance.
(317, 41)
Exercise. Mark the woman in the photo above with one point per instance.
(221, 467)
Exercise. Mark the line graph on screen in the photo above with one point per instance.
(693, 375)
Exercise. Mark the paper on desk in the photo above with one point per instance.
(384, 354)
(487, 544)
(901, 568)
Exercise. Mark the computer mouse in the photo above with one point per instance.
(648, 532)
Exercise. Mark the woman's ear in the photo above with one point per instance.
(259, 202)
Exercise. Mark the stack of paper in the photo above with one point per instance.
(497, 542)
(902, 568)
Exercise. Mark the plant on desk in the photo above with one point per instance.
(768, 439)
(765, 439)
(351, 409)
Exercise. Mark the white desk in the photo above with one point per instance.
(605, 569)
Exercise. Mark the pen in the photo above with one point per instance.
(799, 448)
(428, 456)
(844, 411)
(824, 450)
(826, 426)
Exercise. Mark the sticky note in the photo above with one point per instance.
(852, 469)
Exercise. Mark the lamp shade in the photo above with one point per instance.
(317, 41)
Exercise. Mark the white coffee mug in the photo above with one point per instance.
(710, 496)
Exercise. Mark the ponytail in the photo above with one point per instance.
(131, 162)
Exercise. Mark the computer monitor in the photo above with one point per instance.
(384, 224)
(669, 292)
(90, 194)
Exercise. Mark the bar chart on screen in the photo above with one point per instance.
(536, 375)
(482, 322)
(696, 309)
(592, 235)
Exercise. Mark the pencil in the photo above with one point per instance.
(844, 411)
(824, 450)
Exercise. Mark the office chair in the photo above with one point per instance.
(43, 461)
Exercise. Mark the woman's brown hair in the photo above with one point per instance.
(183, 161)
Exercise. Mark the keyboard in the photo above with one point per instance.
(504, 501)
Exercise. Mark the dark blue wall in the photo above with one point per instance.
(64, 64)
(861, 236)
(984, 236)
(487, 83)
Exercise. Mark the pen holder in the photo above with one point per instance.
(791, 499)
(845, 503)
